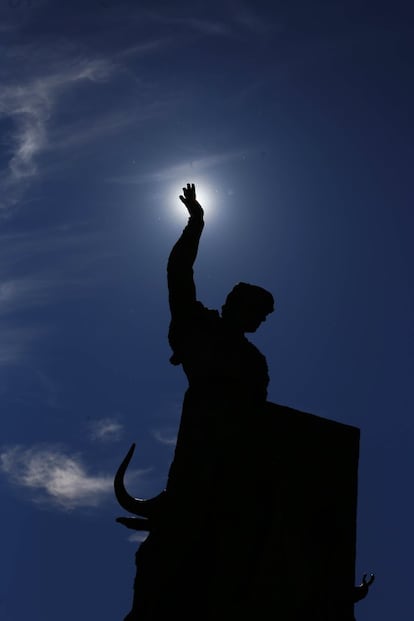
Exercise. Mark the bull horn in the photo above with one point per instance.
(138, 506)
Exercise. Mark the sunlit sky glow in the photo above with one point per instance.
(295, 122)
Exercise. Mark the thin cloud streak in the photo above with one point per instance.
(253, 21)
(16, 294)
(22, 294)
(242, 20)
(106, 430)
(165, 436)
(17, 249)
(87, 130)
(73, 254)
(54, 477)
(84, 131)
(180, 170)
(143, 49)
(204, 26)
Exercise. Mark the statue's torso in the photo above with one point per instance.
(217, 360)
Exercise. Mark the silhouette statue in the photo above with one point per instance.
(260, 503)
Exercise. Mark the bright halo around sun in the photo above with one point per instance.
(205, 195)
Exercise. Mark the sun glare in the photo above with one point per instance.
(205, 195)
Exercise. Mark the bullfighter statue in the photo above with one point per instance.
(257, 519)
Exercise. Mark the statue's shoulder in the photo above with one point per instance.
(186, 331)
(203, 313)
(195, 315)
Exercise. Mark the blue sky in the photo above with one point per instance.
(295, 120)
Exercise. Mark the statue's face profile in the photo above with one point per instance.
(251, 318)
(247, 306)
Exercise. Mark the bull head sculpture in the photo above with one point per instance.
(147, 510)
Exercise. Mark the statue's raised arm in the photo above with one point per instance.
(181, 287)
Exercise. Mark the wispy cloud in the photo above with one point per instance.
(83, 131)
(237, 17)
(17, 296)
(20, 250)
(32, 100)
(106, 430)
(55, 477)
(178, 171)
(253, 21)
(205, 25)
(21, 293)
(167, 436)
(28, 105)
(145, 47)
(40, 268)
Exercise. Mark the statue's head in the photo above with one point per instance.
(247, 306)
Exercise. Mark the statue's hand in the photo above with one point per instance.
(190, 201)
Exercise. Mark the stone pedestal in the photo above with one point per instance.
(307, 569)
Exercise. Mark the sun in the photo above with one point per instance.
(205, 195)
